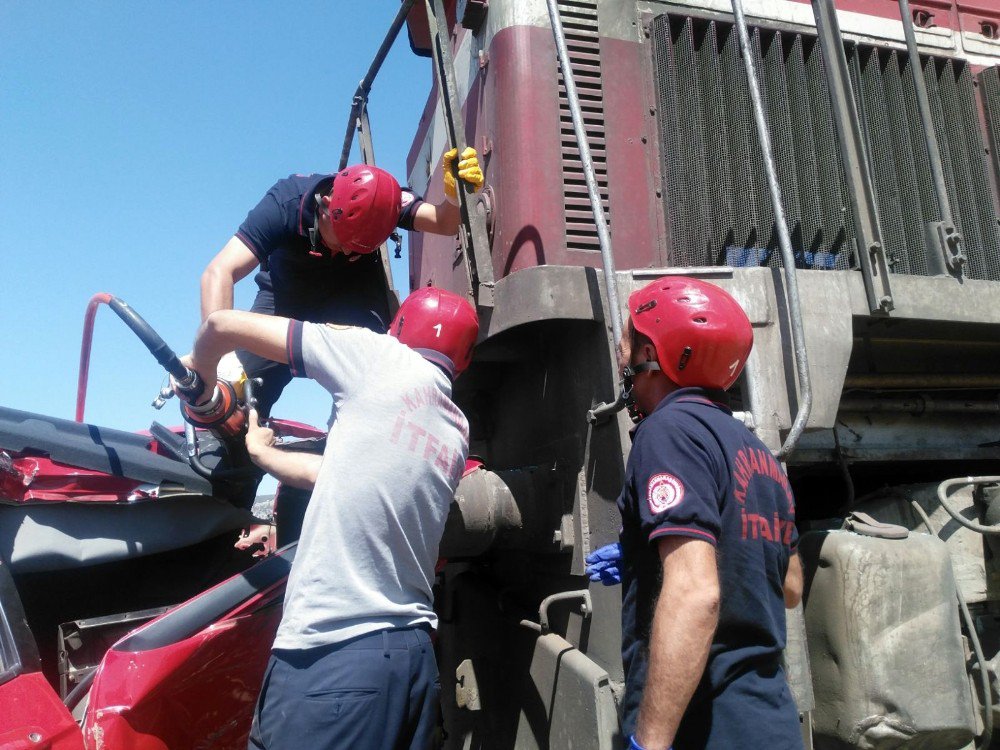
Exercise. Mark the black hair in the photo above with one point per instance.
(637, 339)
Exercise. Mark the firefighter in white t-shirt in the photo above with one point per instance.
(352, 664)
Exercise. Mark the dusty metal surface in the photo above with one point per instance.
(892, 437)
(796, 661)
(966, 548)
(884, 643)
(467, 689)
(506, 509)
(617, 17)
(573, 705)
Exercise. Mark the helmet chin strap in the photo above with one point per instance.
(314, 230)
(628, 384)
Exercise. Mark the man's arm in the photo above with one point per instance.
(232, 263)
(793, 582)
(684, 623)
(443, 218)
(225, 330)
(294, 469)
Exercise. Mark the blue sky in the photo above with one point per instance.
(134, 137)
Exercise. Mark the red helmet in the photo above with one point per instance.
(439, 321)
(364, 207)
(701, 335)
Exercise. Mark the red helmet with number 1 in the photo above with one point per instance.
(701, 334)
(437, 320)
(364, 207)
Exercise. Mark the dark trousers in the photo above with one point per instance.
(377, 692)
(274, 376)
(290, 506)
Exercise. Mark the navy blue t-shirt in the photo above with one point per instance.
(297, 282)
(696, 471)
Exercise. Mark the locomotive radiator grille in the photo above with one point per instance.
(579, 20)
(716, 199)
(989, 87)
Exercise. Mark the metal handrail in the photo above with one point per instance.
(949, 251)
(368, 157)
(357, 121)
(943, 494)
(604, 410)
(474, 237)
(603, 236)
(860, 188)
(784, 239)
(365, 86)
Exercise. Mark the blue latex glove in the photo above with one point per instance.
(604, 564)
(633, 745)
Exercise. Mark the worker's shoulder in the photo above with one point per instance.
(340, 334)
(677, 415)
(295, 186)
(376, 345)
(686, 423)
(700, 411)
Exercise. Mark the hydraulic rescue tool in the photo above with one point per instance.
(224, 414)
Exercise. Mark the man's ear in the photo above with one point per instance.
(649, 352)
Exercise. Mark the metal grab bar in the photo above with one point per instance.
(603, 236)
(601, 411)
(870, 253)
(365, 86)
(357, 120)
(943, 235)
(943, 494)
(784, 240)
(474, 237)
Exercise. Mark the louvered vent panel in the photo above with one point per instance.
(579, 20)
(716, 198)
(989, 87)
(990, 92)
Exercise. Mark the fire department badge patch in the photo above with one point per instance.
(664, 492)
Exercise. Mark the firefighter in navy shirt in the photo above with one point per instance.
(313, 238)
(708, 561)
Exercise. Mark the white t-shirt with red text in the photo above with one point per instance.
(394, 456)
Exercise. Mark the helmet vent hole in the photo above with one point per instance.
(683, 299)
(700, 320)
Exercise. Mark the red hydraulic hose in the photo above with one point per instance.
(187, 381)
(88, 340)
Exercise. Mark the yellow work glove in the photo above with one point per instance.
(468, 171)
